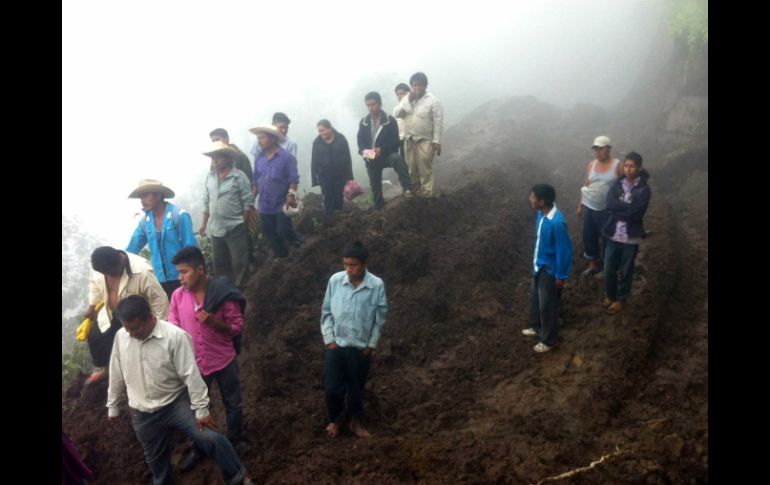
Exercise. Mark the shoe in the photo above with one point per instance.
(408, 194)
(529, 332)
(242, 447)
(591, 270)
(541, 347)
(607, 302)
(190, 460)
(616, 307)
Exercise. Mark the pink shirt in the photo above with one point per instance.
(213, 348)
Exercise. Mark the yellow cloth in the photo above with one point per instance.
(85, 328)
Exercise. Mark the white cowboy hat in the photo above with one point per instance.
(270, 129)
(221, 147)
(149, 186)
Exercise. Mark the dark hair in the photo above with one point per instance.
(356, 250)
(325, 123)
(544, 192)
(189, 255)
(133, 307)
(420, 77)
(403, 87)
(220, 132)
(105, 259)
(281, 118)
(373, 95)
(636, 158)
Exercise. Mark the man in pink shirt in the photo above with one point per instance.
(211, 311)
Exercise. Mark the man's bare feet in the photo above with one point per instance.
(96, 376)
(333, 430)
(358, 430)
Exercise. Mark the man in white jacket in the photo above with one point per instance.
(423, 125)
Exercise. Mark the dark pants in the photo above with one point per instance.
(278, 230)
(375, 167)
(332, 188)
(593, 222)
(170, 286)
(152, 431)
(345, 371)
(619, 261)
(231, 255)
(544, 298)
(100, 344)
(230, 388)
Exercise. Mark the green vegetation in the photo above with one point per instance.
(689, 21)
(73, 363)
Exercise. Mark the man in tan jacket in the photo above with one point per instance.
(423, 125)
(116, 275)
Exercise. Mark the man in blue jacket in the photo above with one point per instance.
(165, 228)
(378, 143)
(552, 264)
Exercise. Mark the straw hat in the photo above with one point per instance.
(219, 147)
(149, 186)
(269, 129)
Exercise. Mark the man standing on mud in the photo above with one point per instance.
(423, 125)
(552, 264)
(352, 316)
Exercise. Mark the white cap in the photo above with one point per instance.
(601, 141)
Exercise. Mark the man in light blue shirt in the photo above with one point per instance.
(551, 266)
(353, 313)
(281, 123)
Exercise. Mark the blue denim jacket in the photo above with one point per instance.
(353, 317)
(175, 233)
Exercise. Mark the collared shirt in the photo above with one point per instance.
(621, 227)
(226, 201)
(423, 118)
(272, 178)
(353, 317)
(399, 121)
(154, 371)
(553, 247)
(142, 282)
(213, 348)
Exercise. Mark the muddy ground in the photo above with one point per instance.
(456, 394)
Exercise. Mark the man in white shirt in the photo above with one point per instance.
(423, 126)
(153, 361)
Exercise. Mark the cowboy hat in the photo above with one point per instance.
(149, 186)
(221, 148)
(269, 129)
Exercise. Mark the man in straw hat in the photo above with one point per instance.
(227, 203)
(275, 181)
(165, 228)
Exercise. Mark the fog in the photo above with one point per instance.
(143, 83)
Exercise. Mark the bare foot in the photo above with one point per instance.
(333, 430)
(96, 377)
(358, 430)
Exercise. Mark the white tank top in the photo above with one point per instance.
(595, 195)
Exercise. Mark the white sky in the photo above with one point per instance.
(144, 82)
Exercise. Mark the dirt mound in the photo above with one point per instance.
(456, 394)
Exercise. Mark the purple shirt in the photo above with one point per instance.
(621, 228)
(213, 348)
(272, 178)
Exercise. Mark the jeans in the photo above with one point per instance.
(230, 388)
(153, 432)
(278, 230)
(332, 188)
(619, 261)
(231, 255)
(375, 167)
(544, 299)
(593, 222)
(345, 372)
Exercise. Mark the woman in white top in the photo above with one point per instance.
(601, 173)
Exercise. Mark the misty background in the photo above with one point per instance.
(143, 83)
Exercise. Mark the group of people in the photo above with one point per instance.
(168, 330)
(614, 199)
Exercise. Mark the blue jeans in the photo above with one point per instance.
(278, 230)
(374, 169)
(544, 298)
(153, 432)
(619, 261)
(593, 222)
(230, 388)
(345, 372)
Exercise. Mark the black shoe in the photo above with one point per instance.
(190, 460)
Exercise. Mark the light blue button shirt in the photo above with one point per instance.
(353, 317)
